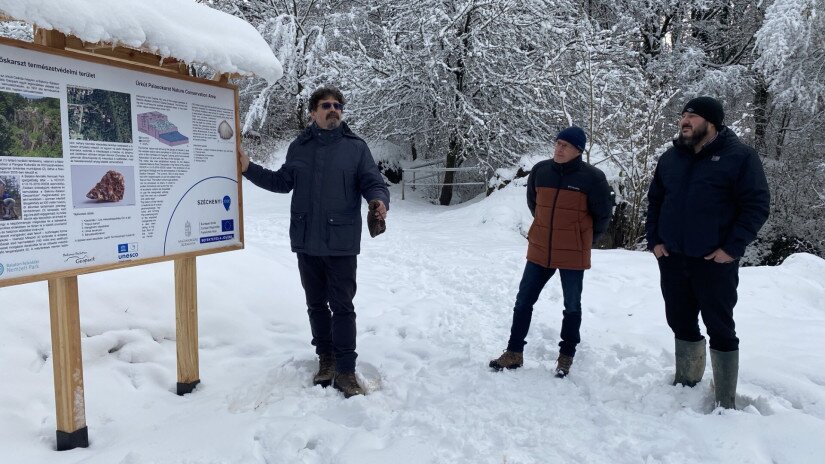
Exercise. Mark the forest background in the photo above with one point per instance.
(486, 84)
(29, 126)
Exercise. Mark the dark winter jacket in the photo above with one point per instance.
(571, 205)
(329, 172)
(717, 198)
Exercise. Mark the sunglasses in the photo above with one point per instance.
(328, 105)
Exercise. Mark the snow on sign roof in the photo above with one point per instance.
(189, 31)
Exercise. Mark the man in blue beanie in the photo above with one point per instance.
(706, 203)
(571, 203)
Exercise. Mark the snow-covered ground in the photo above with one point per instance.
(434, 305)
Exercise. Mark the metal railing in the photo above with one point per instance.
(427, 167)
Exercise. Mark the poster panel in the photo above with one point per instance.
(105, 166)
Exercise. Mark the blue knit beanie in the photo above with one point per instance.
(574, 135)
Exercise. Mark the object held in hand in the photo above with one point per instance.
(376, 225)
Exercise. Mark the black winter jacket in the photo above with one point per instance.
(717, 198)
(329, 171)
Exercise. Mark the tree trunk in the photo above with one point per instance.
(300, 112)
(760, 115)
(449, 176)
(780, 135)
(455, 147)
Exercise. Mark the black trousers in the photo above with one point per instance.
(693, 286)
(329, 285)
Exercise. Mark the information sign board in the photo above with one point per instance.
(105, 166)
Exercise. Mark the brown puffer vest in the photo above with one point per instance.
(571, 205)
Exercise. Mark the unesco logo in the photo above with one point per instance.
(127, 250)
(2, 269)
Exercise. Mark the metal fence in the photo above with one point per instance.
(412, 176)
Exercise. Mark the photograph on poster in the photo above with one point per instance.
(100, 186)
(157, 125)
(99, 115)
(225, 130)
(10, 206)
(30, 126)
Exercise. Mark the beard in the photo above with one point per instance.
(333, 121)
(699, 133)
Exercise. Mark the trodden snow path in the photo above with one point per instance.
(434, 306)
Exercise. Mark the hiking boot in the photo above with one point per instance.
(347, 383)
(563, 365)
(508, 360)
(326, 370)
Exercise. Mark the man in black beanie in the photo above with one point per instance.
(571, 203)
(706, 203)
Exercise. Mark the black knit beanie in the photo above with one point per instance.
(708, 108)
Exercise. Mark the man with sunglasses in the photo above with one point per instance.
(328, 169)
(571, 203)
(707, 202)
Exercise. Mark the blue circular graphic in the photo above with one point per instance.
(226, 201)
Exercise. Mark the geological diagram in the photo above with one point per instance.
(158, 126)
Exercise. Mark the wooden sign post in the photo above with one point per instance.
(186, 323)
(67, 359)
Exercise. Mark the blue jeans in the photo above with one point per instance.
(532, 283)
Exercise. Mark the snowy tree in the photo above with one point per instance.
(791, 60)
(792, 55)
(472, 80)
(16, 30)
(297, 31)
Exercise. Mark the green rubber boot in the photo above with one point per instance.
(725, 375)
(690, 362)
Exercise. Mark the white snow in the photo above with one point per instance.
(183, 29)
(434, 305)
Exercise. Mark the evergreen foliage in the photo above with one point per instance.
(30, 126)
(100, 115)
